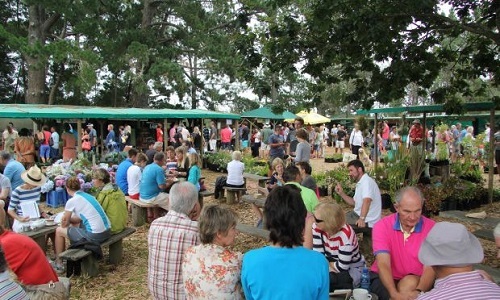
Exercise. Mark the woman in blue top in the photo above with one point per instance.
(194, 174)
(278, 271)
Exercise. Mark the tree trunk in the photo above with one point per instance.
(37, 65)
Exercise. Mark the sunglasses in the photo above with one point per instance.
(317, 220)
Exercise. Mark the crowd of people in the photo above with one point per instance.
(189, 258)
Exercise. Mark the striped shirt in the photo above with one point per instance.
(10, 290)
(21, 195)
(168, 239)
(463, 286)
(341, 248)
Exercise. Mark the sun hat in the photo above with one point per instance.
(450, 244)
(416, 121)
(34, 176)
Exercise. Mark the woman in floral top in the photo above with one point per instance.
(209, 270)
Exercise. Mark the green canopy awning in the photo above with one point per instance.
(266, 113)
(436, 108)
(41, 111)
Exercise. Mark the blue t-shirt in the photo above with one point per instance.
(121, 175)
(152, 176)
(13, 171)
(194, 176)
(285, 273)
(276, 151)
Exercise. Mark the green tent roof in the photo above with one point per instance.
(266, 113)
(42, 111)
(476, 106)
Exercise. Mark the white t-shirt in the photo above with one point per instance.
(55, 138)
(368, 188)
(86, 207)
(134, 174)
(257, 137)
(235, 171)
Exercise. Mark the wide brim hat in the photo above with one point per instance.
(450, 244)
(416, 121)
(34, 176)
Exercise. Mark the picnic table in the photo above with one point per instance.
(39, 235)
(261, 180)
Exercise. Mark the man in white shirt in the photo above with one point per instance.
(367, 200)
(54, 148)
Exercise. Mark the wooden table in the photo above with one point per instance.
(261, 180)
(40, 235)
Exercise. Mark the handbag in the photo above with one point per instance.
(52, 290)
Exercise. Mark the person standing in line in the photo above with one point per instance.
(54, 144)
(8, 138)
(171, 134)
(24, 147)
(68, 144)
(356, 140)
(213, 137)
(159, 132)
(92, 136)
(110, 141)
(277, 143)
(340, 142)
(44, 138)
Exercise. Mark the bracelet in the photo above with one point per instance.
(362, 218)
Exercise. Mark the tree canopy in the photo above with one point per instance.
(336, 55)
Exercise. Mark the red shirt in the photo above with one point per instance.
(159, 135)
(26, 259)
(225, 135)
(46, 135)
(416, 132)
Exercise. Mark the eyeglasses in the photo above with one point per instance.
(317, 220)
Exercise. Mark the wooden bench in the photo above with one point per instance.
(83, 261)
(261, 180)
(253, 231)
(231, 193)
(204, 194)
(259, 201)
(139, 211)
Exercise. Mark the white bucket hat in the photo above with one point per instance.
(450, 244)
(34, 176)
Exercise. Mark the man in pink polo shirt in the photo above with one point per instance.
(397, 272)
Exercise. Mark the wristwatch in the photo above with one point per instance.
(362, 218)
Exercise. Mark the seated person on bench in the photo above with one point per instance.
(96, 227)
(112, 200)
(235, 169)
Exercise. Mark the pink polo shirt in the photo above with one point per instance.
(387, 237)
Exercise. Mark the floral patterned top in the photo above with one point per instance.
(212, 272)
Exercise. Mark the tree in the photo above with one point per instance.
(400, 43)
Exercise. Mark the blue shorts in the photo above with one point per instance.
(45, 151)
(76, 233)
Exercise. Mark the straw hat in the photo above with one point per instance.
(34, 176)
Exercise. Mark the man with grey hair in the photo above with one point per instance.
(168, 239)
(397, 272)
